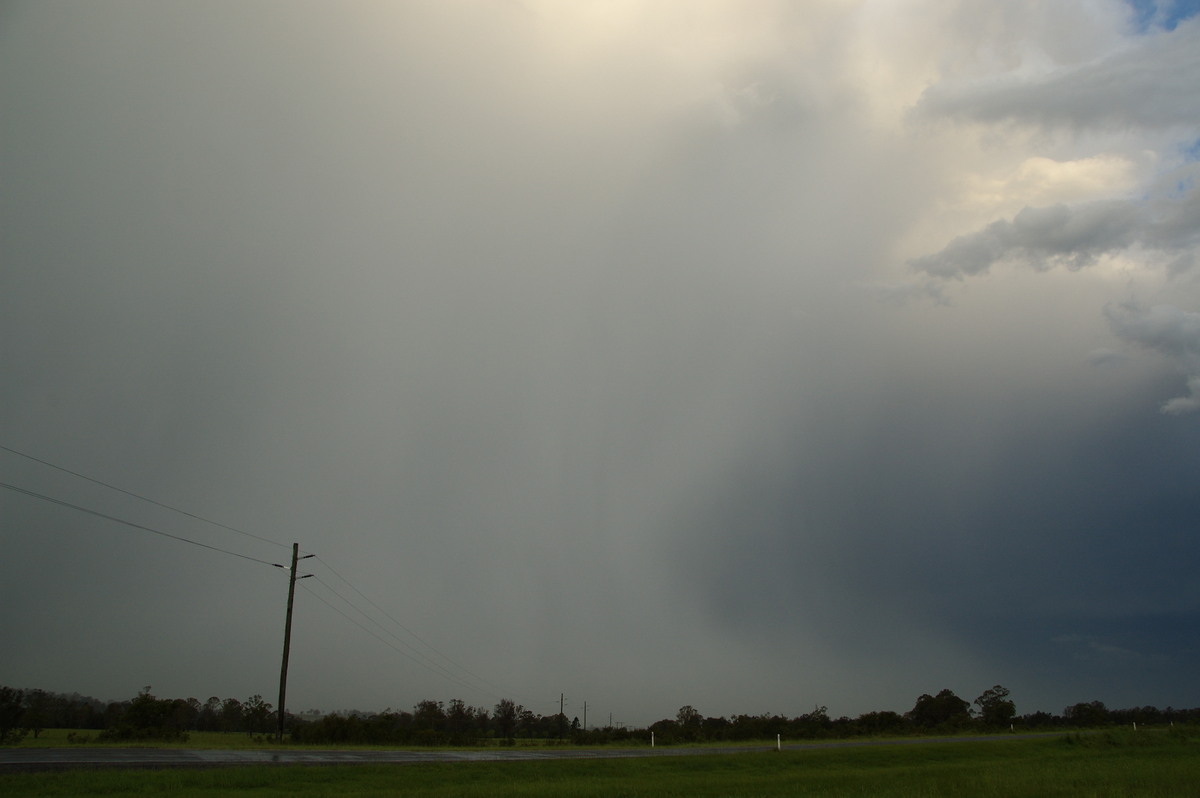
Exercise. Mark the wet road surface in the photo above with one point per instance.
(36, 759)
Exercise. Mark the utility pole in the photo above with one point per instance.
(287, 630)
(585, 716)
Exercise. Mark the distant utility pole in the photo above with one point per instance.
(287, 629)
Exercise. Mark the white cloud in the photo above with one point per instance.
(1045, 181)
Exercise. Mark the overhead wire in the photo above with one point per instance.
(417, 656)
(143, 498)
(441, 672)
(402, 627)
(131, 524)
(417, 653)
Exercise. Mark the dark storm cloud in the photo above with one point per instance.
(997, 542)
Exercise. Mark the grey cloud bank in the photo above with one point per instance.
(1171, 332)
(1075, 236)
(542, 326)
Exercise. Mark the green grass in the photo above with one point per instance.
(1155, 764)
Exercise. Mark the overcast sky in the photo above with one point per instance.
(748, 355)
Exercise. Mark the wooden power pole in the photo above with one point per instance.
(287, 631)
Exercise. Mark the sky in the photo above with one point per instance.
(754, 356)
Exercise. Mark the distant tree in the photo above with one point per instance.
(1142, 716)
(192, 713)
(37, 712)
(146, 712)
(945, 710)
(209, 717)
(148, 718)
(11, 709)
(429, 716)
(995, 706)
(1092, 713)
(113, 713)
(256, 715)
(812, 724)
(885, 722)
(71, 711)
(689, 724)
(666, 731)
(715, 728)
(1039, 719)
(527, 722)
(231, 715)
(505, 718)
(482, 721)
(459, 719)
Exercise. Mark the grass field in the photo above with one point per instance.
(1103, 764)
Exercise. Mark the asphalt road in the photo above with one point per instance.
(37, 759)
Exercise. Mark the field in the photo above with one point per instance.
(1151, 763)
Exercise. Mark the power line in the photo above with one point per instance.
(143, 498)
(417, 656)
(442, 672)
(131, 524)
(401, 626)
(424, 659)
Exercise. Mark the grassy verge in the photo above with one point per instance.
(1168, 766)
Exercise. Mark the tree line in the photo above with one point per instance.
(144, 717)
(430, 722)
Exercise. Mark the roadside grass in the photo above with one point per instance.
(1160, 764)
